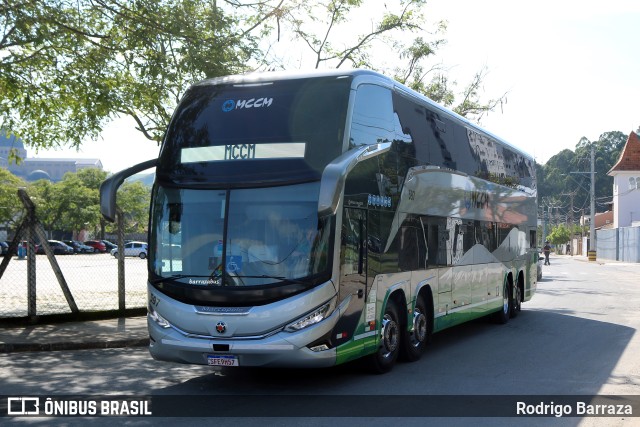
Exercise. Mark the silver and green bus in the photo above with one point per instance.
(311, 219)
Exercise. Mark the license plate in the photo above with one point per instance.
(222, 360)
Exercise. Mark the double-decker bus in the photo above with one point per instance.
(307, 220)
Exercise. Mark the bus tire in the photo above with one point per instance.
(415, 341)
(502, 316)
(516, 305)
(385, 357)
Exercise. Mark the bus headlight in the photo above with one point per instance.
(309, 319)
(161, 321)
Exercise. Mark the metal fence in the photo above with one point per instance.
(34, 285)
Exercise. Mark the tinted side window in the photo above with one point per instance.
(372, 121)
(424, 128)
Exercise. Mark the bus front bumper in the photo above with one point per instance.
(283, 349)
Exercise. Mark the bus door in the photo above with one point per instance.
(353, 271)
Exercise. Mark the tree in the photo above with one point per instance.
(560, 186)
(10, 207)
(133, 201)
(80, 201)
(324, 34)
(91, 177)
(73, 204)
(560, 235)
(68, 67)
(49, 205)
(329, 39)
(607, 151)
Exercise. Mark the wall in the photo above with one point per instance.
(620, 244)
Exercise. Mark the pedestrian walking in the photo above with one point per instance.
(547, 250)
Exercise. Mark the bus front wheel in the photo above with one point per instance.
(382, 361)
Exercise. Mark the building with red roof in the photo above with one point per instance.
(626, 184)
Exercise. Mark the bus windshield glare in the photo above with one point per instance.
(264, 236)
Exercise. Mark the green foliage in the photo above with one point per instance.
(46, 197)
(133, 201)
(10, 207)
(559, 235)
(569, 192)
(68, 67)
(73, 204)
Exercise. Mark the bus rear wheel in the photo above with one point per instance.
(516, 305)
(382, 361)
(503, 315)
(415, 341)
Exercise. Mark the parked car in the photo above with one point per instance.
(97, 245)
(58, 248)
(79, 248)
(139, 249)
(4, 248)
(37, 246)
(110, 245)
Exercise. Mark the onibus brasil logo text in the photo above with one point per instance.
(34, 406)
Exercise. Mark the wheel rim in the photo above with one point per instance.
(390, 336)
(419, 328)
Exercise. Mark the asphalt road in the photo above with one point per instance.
(577, 336)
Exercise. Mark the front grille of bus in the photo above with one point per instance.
(238, 337)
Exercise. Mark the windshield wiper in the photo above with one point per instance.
(281, 278)
(176, 277)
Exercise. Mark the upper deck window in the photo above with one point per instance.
(241, 124)
(372, 116)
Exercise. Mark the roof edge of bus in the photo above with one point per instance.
(257, 77)
(267, 76)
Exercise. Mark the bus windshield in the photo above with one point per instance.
(264, 236)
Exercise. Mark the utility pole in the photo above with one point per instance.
(544, 225)
(592, 225)
(592, 221)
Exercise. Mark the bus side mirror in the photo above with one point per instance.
(110, 186)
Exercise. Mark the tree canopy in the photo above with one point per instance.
(10, 206)
(73, 204)
(68, 67)
(564, 182)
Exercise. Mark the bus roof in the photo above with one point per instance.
(258, 78)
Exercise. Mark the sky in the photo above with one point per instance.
(571, 69)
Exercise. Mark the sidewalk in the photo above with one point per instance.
(110, 333)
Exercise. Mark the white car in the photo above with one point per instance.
(139, 249)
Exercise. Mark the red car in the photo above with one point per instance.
(97, 245)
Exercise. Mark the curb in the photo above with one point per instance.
(63, 346)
